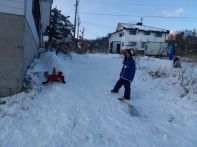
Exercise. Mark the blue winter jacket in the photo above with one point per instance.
(128, 69)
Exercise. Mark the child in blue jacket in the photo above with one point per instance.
(126, 75)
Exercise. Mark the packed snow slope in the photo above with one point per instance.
(83, 112)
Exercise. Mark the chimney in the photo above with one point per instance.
(139, 23)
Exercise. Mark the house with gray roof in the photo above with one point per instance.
(135, 36)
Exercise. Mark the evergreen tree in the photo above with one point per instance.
(60, 29)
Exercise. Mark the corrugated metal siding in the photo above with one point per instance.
(12, 6)
(30, 20)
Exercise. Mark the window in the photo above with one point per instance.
(158, 34)
(122, 43)
(121, 34)
(146, 33)
(143, 44)
(132, 32)
(133, 43)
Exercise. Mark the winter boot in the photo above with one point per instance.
(113, 91)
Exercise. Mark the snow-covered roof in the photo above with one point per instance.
(139, 27)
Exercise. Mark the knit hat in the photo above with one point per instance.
(130, 51)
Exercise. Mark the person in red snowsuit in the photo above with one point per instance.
(55, 78)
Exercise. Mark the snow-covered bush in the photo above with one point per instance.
(157, 74)
(188, 79)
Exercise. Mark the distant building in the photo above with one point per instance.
(22, 23)
(135, 36)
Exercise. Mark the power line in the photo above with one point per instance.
(147, 4)
(93, 33)
(101, 26)
(146, 16)
(97, 25)
(86, 22)
(70, 11)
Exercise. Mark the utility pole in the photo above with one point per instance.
(78, 27)
(83, 32)
(75, 21)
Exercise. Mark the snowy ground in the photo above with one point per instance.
(83, 112)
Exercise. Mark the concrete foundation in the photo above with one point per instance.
(17, 50)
